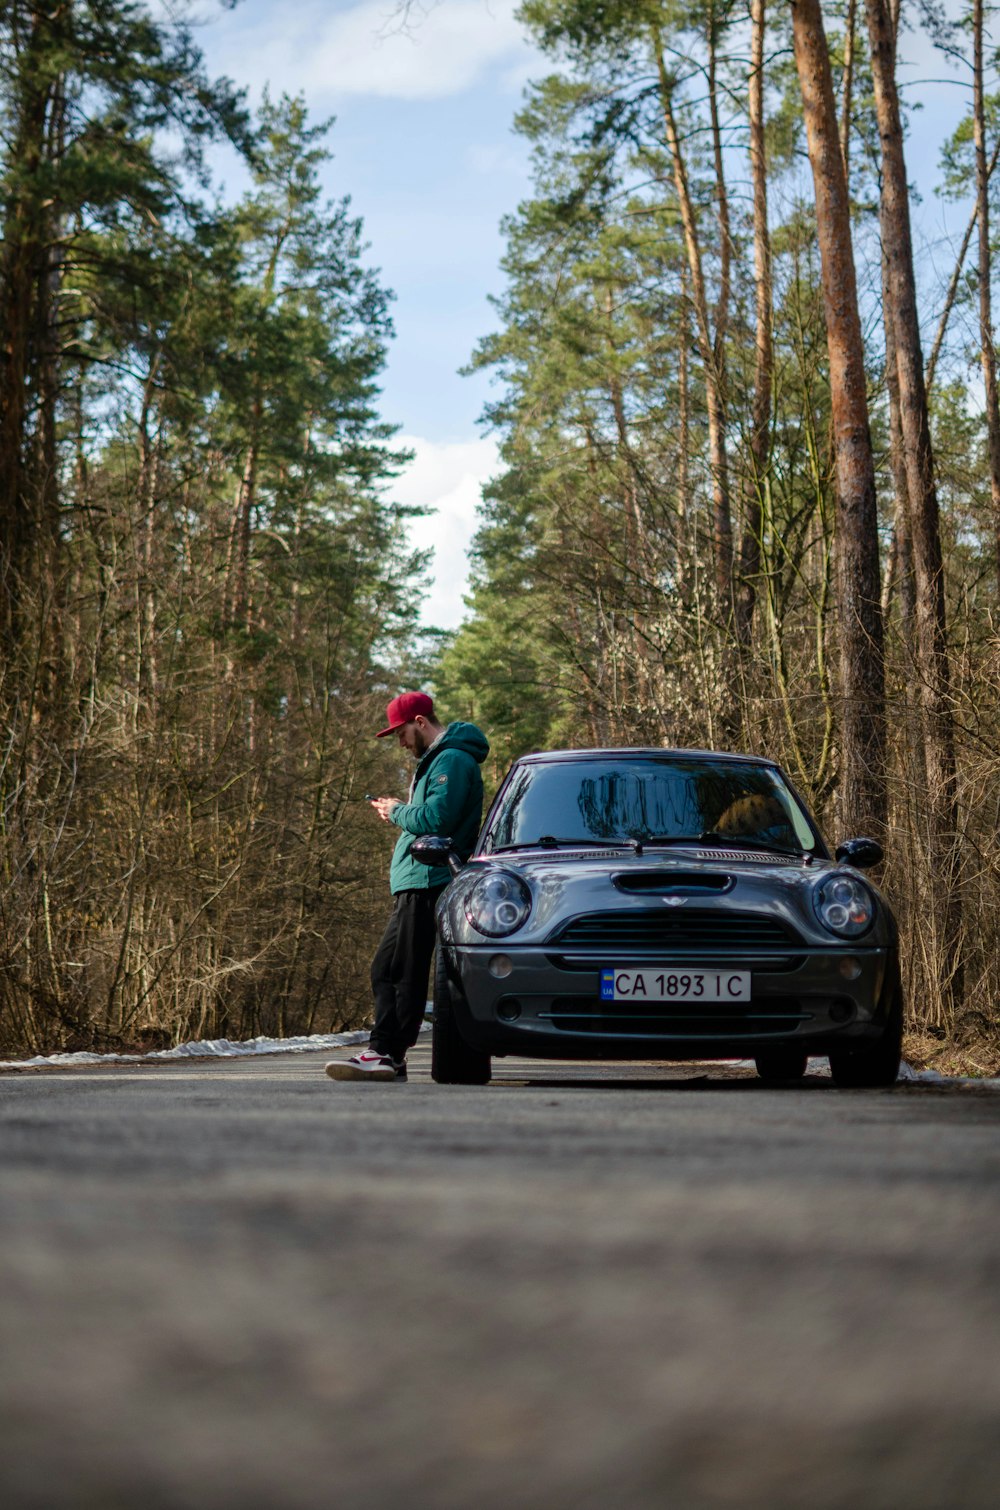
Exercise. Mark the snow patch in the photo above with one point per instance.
(206, 1048)
(226, 1048)
(907, 1074)
(934, 1077)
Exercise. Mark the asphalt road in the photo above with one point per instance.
(241, 1285)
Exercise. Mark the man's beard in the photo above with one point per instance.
(421, 743)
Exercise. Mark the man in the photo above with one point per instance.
(446, 798)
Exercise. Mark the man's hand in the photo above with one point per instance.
(384, 806)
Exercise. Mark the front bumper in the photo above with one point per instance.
(549, 1005)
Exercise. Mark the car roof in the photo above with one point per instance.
(632, 752)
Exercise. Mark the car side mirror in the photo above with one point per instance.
(430, 849)
(861, 853)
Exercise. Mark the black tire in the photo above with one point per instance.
(453, 1062)
(776, 1064)
(872, 1067)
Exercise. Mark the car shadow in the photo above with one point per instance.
(529, 1080)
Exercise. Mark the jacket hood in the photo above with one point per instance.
(462, 736)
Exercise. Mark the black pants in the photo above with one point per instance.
(400, 971)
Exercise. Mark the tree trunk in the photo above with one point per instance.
(863, 784)
(903, 562)
(932, 651)
(639, 572)
(241, 609)
(24, 286)
(899, 570)
(760, 432)
(846, 89)
(722, 529)
(146, 494)
(46, 567)
(685, 549)
(722, 207)
(989, 356)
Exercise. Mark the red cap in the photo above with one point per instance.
(404, 707)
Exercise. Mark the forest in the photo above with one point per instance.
(749, 495)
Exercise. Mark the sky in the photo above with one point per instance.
(424, 145)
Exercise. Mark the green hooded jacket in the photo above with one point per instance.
(446, 798)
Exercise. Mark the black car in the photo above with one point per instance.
(662, 904)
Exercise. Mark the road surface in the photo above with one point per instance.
(239, 1284)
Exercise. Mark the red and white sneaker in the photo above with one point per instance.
(368, 1065)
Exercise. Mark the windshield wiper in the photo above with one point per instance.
(548, 841)
(691, 840)
(658, 841)
(747, 841)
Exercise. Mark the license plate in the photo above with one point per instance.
(675, 985)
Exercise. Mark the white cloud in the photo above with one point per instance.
(446, 476)
(332, 51)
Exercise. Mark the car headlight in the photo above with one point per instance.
(498, 904)
(844, 905)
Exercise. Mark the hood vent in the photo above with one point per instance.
(664, 883)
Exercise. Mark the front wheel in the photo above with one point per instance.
(453, 1062)
(870, 1068)
(781, 1064)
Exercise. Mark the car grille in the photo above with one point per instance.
(682, 930)
(587, 1014)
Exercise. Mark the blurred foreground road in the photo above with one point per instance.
(238, 1284)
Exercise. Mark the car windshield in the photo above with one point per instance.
(650, 799)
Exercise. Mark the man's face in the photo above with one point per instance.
(413, 736)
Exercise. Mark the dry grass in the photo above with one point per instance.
(978, 1058)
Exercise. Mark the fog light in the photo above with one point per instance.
(500, 966)
(841, 1011)
(508, 1010)
(850, 968)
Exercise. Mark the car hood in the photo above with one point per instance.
(568, 883)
